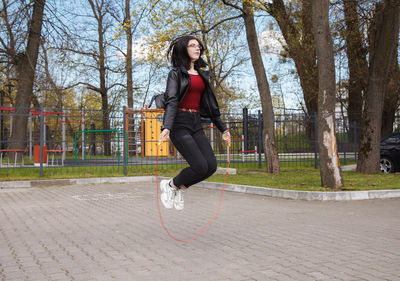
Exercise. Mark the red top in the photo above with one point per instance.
(193, 96)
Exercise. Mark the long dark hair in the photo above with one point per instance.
(177, 53)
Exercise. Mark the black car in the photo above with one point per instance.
(390, 153)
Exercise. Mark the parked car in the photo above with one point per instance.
(390, 153)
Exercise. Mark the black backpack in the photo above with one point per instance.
(159, 99)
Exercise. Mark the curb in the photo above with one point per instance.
(265, 191)
(60, 182)
(305, 195)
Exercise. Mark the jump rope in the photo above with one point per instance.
(211, 220)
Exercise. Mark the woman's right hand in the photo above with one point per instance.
(164, 136)
(227, 137)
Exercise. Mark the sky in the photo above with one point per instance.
(287, 85)
(270, 39)
(271, 45)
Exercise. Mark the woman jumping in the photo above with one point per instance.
(187, 98)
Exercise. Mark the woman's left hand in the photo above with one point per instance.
(227, 137)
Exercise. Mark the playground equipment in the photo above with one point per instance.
(153, 123)
(145, 130)
(50, 118)
(15, 156)
(84, 132)
(56, 148)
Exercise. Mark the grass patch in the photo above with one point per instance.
(72, 172)
(294, 178)
(309, 179)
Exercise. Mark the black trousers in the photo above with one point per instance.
(189, 139)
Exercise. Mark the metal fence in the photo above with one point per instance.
(68, 142)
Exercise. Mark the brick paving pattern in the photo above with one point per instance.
(113, 232)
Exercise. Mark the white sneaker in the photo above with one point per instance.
(178, 202)
(167, 194)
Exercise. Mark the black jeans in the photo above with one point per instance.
(189, 139)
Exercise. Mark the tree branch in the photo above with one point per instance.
(233, 6)
(89, 86)
(116, 84)
(80, 52)
(218, 23)
(9, 30)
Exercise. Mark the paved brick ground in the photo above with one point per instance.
(113, 232)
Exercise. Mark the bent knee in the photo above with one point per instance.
(201, 169)
(205, 169)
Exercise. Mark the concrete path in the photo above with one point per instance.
(113, 232)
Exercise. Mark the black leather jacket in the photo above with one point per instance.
(177, 86)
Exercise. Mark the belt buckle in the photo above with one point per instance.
(188, 110)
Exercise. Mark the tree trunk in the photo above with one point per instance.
(358, 68)
(384, 39)
(306, 60)
(132, 146)
(128, 31)
(50, 80)
(26, 66)
(270, 148)
(392, 97)
(103, 90)
(330, 172)
(299, 38)
(99, 15)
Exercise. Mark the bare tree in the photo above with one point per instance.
(128, 67)
(329, 160)
(99, 10)
(96, 68)
(392, 96)
(25, 63)
(357, 64)
(128, 26)
(295, 22)
(269, 143)
(383, 38)
(358, 28)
